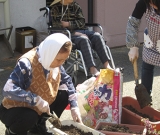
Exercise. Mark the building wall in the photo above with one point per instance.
(113, 17)
(22, 13)
(84, 5)
(1, 18)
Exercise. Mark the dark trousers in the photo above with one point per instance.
(147, 76)
(94, 41)
(20, 119)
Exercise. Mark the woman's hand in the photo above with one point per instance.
(42, 105)
(65, 24)
(76, 115)
(133, 53)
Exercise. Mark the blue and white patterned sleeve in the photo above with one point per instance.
(18, 81)
(132, 32)
(67, 80)
(134, 23)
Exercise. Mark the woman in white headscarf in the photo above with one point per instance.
(38, 86)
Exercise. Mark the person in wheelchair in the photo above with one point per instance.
(68, 14)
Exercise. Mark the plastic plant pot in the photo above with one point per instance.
(129, 117)
(134, 129)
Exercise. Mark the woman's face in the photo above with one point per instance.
(59, 59)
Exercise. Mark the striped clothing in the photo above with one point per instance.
(72, 13)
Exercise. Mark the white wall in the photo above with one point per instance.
(22, 13)
(113, 16)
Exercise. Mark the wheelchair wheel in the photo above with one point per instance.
(78, 77)
(74, 80)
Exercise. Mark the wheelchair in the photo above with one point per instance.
(75, 65)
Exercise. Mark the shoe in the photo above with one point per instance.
(7, 132)
(96, 75)
(40, 129)
(37, 130)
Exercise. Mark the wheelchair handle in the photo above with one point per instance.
(41, 9)
(45, 8)
(95, 25)
(92, 24)
(62, 29)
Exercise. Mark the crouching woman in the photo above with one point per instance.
(37, 86)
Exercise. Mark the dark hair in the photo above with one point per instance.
(154, 2)
(66, 47)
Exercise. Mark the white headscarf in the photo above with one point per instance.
(49, 48)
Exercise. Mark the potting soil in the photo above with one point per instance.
(132, 109)
(72, 130)
(117, 128)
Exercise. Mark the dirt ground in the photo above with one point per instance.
(120, 57)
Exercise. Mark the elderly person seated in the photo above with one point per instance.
(68, 14)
